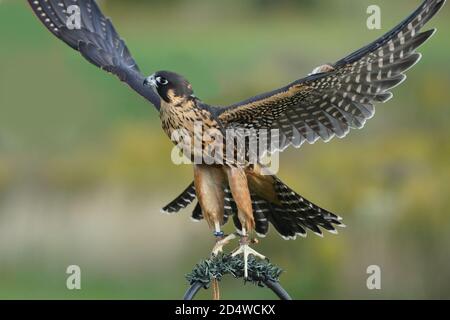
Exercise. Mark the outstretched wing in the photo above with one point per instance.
(96, 39)
(328, 104)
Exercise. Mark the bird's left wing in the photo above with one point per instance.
(82, 25)
(328, 104)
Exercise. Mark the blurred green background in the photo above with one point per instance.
(85, 167)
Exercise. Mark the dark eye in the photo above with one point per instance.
(162, 81)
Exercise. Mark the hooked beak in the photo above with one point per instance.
(150, 82)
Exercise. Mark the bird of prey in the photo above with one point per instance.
(329, 102)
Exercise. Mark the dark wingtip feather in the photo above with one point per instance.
(97, 40)
(435, 6)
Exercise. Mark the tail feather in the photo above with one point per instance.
(261, 208)
(291, 217)
(197, 214)
(182, 201)
(294, 215)
(300, 214)
(229, 205)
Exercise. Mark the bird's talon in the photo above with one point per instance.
(221, 242)
(245, 250)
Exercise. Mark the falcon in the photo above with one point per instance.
(328, 103)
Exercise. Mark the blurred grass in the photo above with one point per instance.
(85, 167)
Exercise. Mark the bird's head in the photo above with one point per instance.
(171, 87)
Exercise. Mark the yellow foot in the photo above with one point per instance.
(218, 248)
(245, 250)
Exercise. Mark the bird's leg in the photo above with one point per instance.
(221, 239)
(237, 180)
(245, 250)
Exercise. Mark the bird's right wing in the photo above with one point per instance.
(95, 38)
